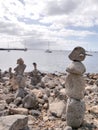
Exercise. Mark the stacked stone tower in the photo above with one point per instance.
(20, 79)
(75, 86)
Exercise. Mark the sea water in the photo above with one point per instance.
(57, 61)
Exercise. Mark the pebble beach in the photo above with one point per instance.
(48, 109)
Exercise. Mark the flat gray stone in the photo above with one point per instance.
(13, 122)
(78, 53)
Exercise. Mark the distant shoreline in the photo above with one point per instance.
(9, 49)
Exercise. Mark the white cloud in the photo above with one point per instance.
(54, 21)
(60, 7)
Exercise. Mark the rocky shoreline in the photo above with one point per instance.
(44, 107)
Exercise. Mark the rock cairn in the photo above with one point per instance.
(35, 75)
(0, 75)
(20, 79)
(75, 86)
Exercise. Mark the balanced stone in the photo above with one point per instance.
(75, 112)
(78, 54)
(20, 80)
(76, 68)
(75, 86)
(35, 75)
(19, 70)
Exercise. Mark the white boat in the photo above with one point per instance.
(48, 50)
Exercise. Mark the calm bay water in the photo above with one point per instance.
(57, 61)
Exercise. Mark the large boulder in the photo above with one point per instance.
(13, 122)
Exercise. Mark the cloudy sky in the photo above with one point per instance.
(63, 24)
